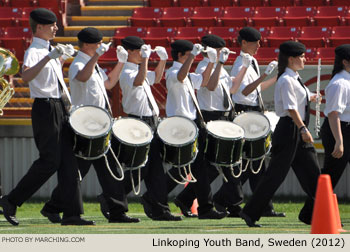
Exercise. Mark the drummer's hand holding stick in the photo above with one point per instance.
(214, 77)
(184, 70)
(122, 54)
(161, 52)
(272, 65)
(114, 75)
(103, 48)
(237, 80)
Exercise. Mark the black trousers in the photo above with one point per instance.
(153, 174)
(288, 150)
(332, 166)
(112, 190)
(53, 138)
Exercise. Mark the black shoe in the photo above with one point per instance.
(53, 217)
(167, 216)
(304, 219)
(184, 209)
(103, 206)
(220, 207)
(76, 221)
(272, 213)
(147, 207)
(123, 219)
(9, 211)
(212, 215)
(234, 211)
(1, 212)
(248, 220)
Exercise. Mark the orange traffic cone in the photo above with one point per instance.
(337, 215)
(194, 207)
(324, 217)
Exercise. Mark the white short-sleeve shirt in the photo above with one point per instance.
(250, 76)
(90, 92)
(213, 100)
(289, 94)
(134, 97)
(45, 84)
(338, 96)
(179, 101)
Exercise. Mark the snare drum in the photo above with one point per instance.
(224, 143)
(131, 142)
(92, 129)
(178, 140)
(257, 134)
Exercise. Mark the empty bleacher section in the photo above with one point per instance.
(320, 24)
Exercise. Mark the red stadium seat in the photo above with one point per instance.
(175, 16)
(298, 15)
(267, 54)
(193, 34)
(191, 3)
(222, 3)
(280, 34)
(110, 55)
(229, 34)
(123, 32)
(159, 36)
(17, 32)
(236, 16)
(310, 54)
(313, 2)
(145, 16)
(251, 3)
(16, 45)
(325, 53)
(5, 22)
(279, 3)
(267, 16)
(57, 6)
(329, 15)
(315, 36)
(9, 16)
(26, 11)
(160, 3)
(340, 35)
(22, 3)
(206, 16)
(340, 2)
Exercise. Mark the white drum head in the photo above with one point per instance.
(90, 121)
(132, 131)
(255, 124)
(273, 118)
(177, 130)
(225, 129)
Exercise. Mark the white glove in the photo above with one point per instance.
(68, 51)
(122, 54)
(271, 67)
(57, 52)
(146, 51)
(160, 50)
(246, 60)
(212, 54)
(224, 53)
(103, 48)
(197, 48)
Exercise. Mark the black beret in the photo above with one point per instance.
(250, 34)
(343, 51)
(90, 35)
(213, 41)
(43, 16)
(182, 45)
(292, 48)
(132, 42)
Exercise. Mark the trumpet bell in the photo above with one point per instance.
(8, 63)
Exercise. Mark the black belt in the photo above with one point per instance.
(49, 99)
(345, 124)
(216, 113)
(243, 107)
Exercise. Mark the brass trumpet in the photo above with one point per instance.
(8, 66)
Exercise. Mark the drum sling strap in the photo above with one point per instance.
(190, 88)
(108, 105)
(152, 103)
(228, 100)
(260, 100)
(307, 107)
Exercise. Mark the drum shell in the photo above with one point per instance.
(178, 155)
(129, 155)
(224, 152)
(91, 148)
(257, 148)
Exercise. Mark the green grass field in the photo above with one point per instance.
(31, 222)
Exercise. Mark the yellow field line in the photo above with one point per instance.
(10, 121)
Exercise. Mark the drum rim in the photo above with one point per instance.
(86, 136)
(179, 145)
(96, 157)
(226, 138)
(126, 143)
(262, 136)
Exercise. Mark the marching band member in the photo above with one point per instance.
(180, 103)
(214, 105)
(335, 130)
(88, 84)
(292, 142)
(248, 98)
(51, 130)
(138, 102)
